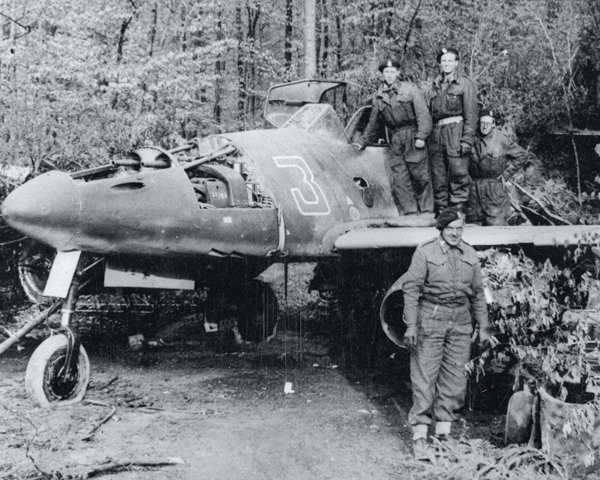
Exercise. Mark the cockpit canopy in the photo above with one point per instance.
(319, 106)
(318, 118)
(283, 101)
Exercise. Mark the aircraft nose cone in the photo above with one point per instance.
(42, 205)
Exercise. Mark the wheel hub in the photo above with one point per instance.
(57, 384)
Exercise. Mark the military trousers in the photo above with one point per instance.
(410, 179)
(437, 367)
(488, 202)
(449, 169)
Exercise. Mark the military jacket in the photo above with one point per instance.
(446, 276)
(399, 105)
(496, 155)
(459, 98)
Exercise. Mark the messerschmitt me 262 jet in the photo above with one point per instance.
(215, 213)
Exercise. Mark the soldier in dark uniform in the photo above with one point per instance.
(454, 112)
(441, 288)
(495, 159)
(401, 106)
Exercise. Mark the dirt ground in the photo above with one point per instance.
(223, 416)
(218, 415)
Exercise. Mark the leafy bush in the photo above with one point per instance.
(540, 336)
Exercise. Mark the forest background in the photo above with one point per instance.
(84, 81)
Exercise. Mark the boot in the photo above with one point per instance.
(421, 449)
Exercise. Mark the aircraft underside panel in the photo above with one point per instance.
(116, 274)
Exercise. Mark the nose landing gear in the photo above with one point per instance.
(50, 379)
(59, 369)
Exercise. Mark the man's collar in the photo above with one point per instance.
(449, 78)
(445, 247)
(389, 88)
(454, 78)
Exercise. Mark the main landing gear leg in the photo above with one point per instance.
(58, 372)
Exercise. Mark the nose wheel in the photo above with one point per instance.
(58, 372)
(51, 378)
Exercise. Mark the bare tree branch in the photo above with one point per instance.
(411, 25)
(26, 27)
(541, 204)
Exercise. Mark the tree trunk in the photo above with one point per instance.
(242, 51)
(185, 25)
(152, 30)
(120, 42)
(289, 32)
(121, 39)
(218, 71)
(13, 55)
(253, 9)
(389, 19)
(340, 34)
(414, 27)
(310, 39)
(324, 40)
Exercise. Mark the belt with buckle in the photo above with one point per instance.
(431, 304)
(449, 120)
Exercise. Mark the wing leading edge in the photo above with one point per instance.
(397, 237)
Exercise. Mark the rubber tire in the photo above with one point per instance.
(33, 280)
(36, 373)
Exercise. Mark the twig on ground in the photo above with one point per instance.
(111, 381)
(117, 466)
(158, 409)
(103, 421)
(108, 384)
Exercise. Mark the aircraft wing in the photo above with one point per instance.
(396, 237)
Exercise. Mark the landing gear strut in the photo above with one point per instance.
(58, 372)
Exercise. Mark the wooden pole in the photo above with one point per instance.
(310, 39)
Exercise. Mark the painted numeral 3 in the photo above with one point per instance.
(308, 195)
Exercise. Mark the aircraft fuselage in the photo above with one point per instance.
(315, 184)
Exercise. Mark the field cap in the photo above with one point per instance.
(487, 112)
(389, 62)
(447, 216)
(444, 51)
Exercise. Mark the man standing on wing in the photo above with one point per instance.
(454, 112)
(442, 287)
(402, 108)
(495, 159)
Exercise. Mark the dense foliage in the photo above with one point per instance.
(81, 81)
(545, 317)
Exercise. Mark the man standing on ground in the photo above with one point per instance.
(402, 108)
(495, 159)
(441, 288)
(454, 112)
